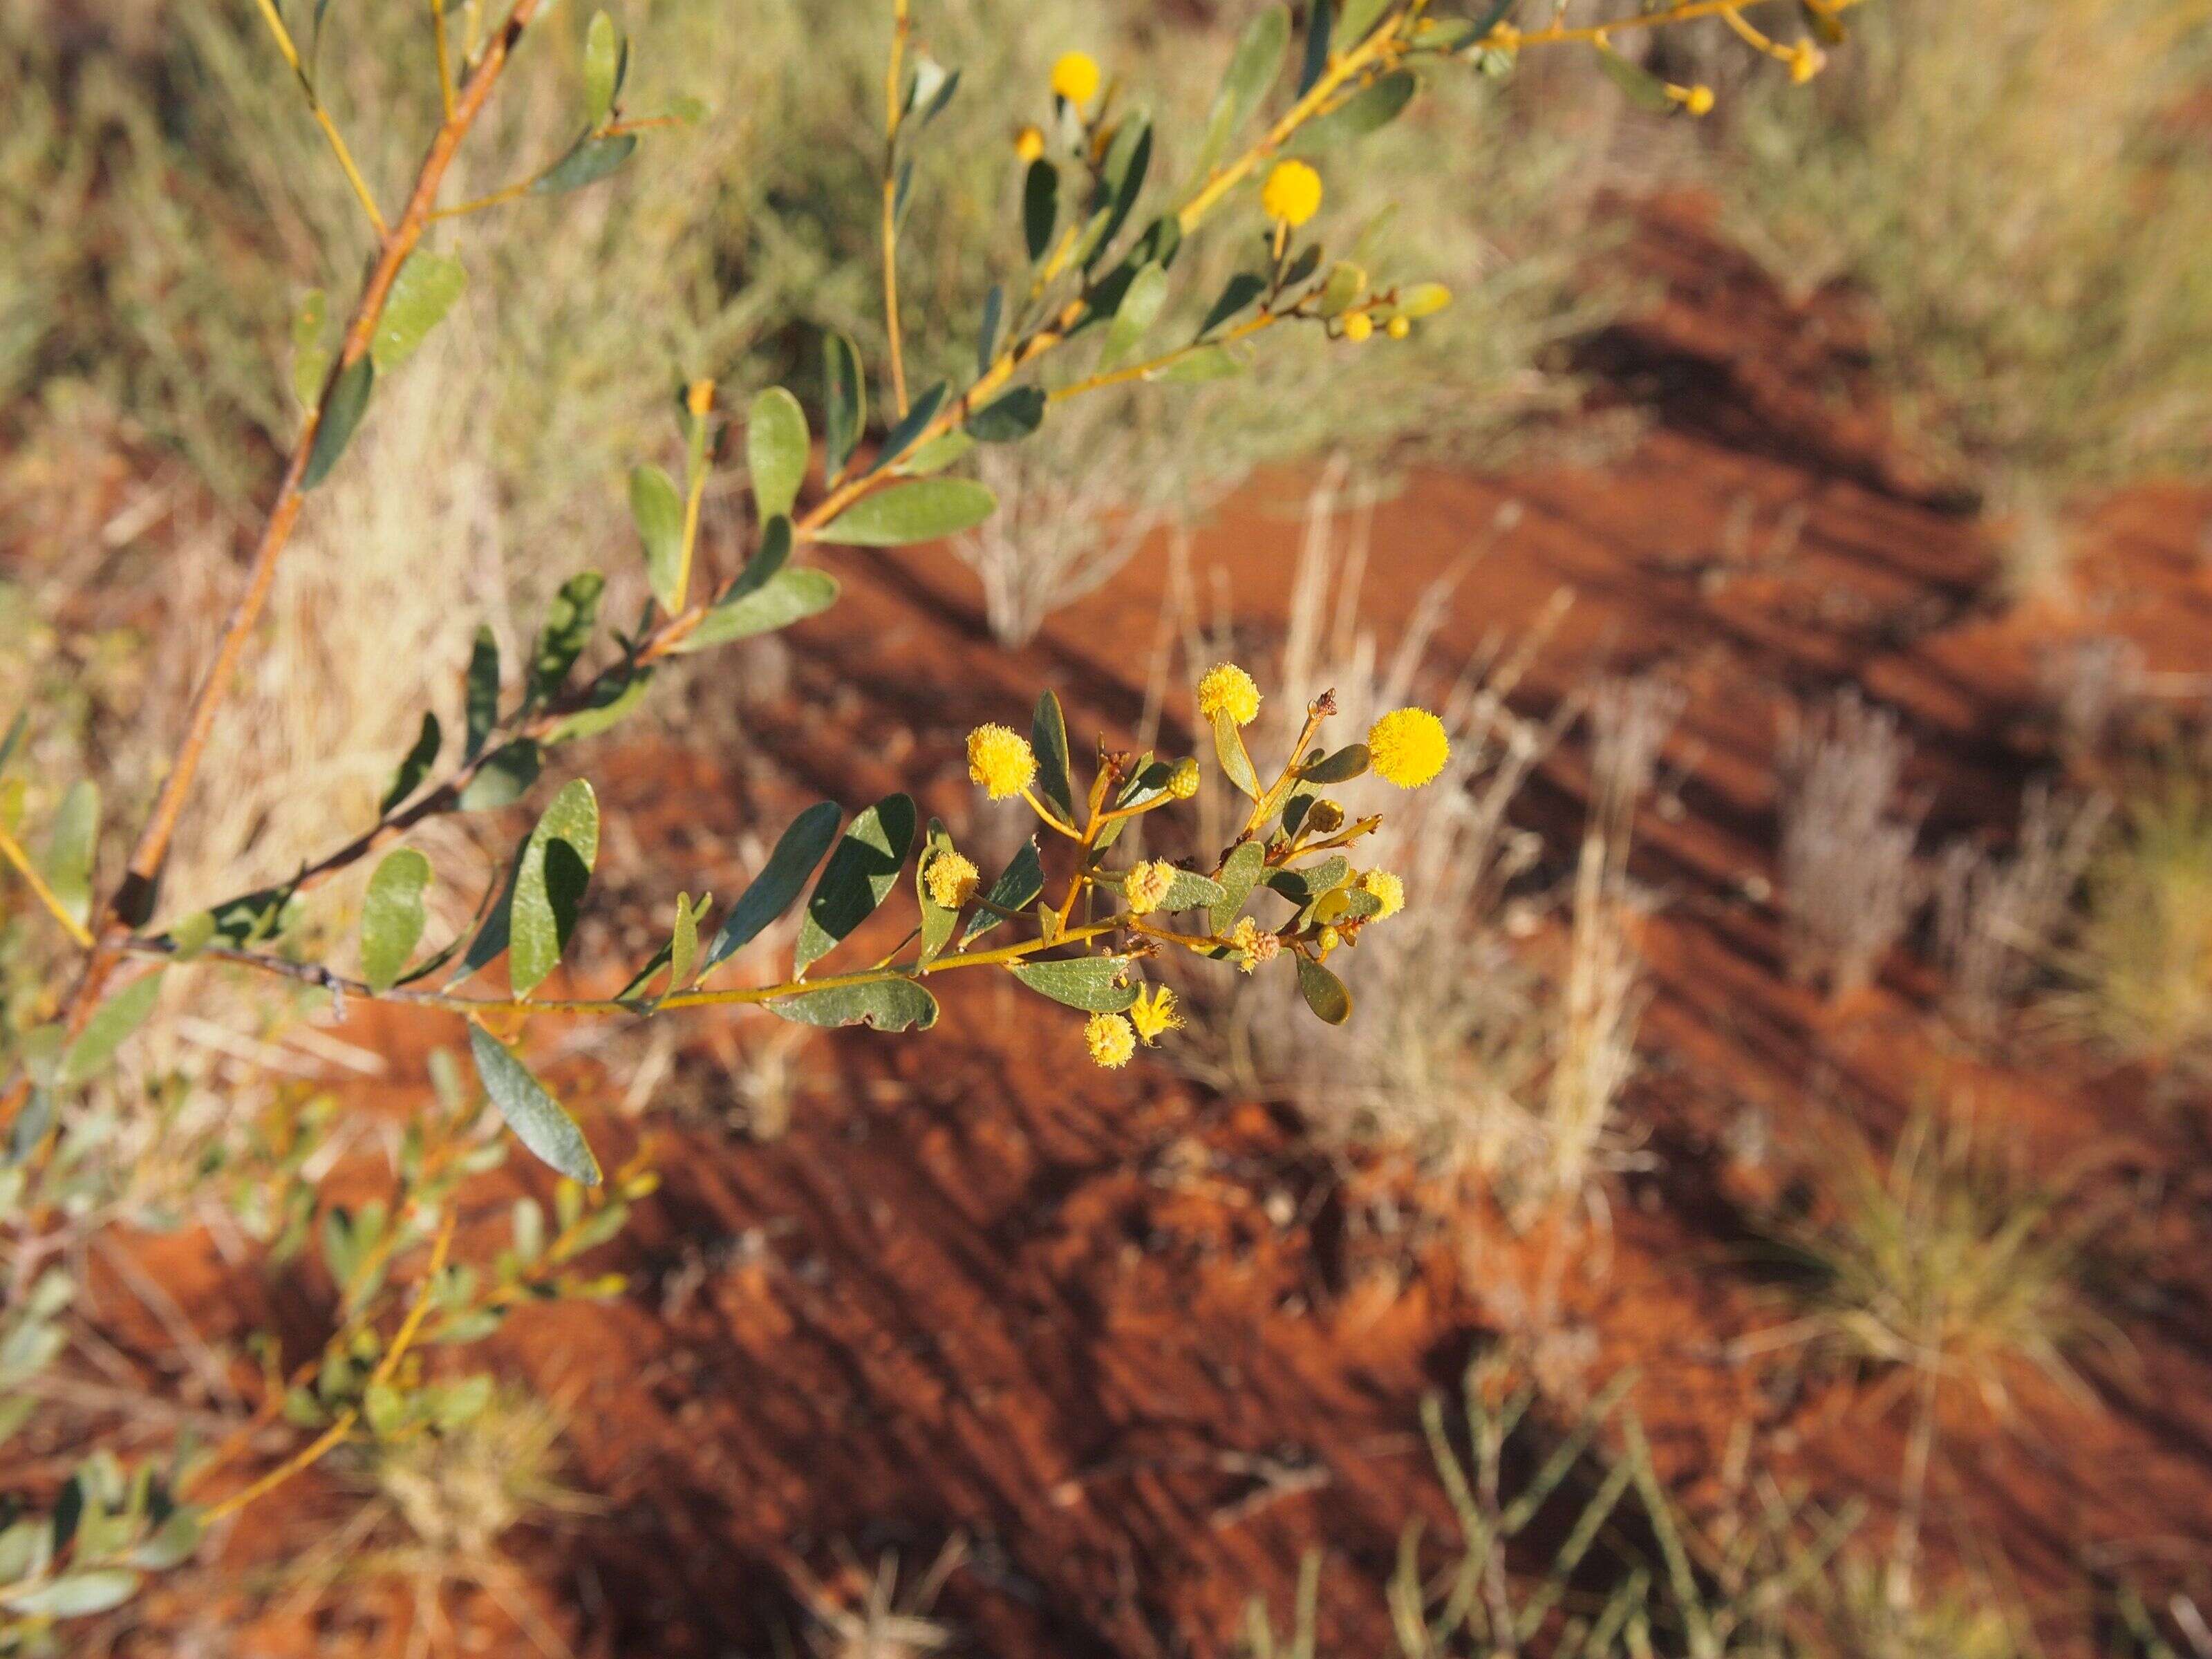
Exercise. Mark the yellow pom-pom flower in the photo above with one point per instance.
(1147, 885)
(1386, 887)
(1001, 759)
(1398, 328)
(1805, 61)
(1075, 78)
(1111, 1040)
(1029, 143)
(1357, 327)
(1697, 99)
(1408, 747)
(1228, 689)
(1154, 1014)
(1292, 194)
(951, 880)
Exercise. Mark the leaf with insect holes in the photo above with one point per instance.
(1148, 291)
(658, 510)
(921, 510)
(1240, 874)
(859, 875)
(1049, 739)
(1369, 110)
(590, 160)
(111, 1023)
(884, 1005)
(342, 413)
(70, 843)
(415, 767)
(548, 885)
(391, 917)
(797, 851)
(1039, 207)
(426, 288)
(1084, 982)
(845, 392)
(1251, 71)
(1016, 889)
(1324, 992)
(539, 1121)
(603, 56)
(776, 445)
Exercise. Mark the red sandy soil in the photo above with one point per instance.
(1122, 1336)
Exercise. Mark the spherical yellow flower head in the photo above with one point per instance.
(1029, 143)
(1408, 747)
(1357, 327)
(1292, 194)
(1182, 782)
(1075, 78)
(1805, 61)
(1398, 328)
(1154, 1014)
(1386, 887)
(1228, 689)
(1697, 99)
(1111, 1040)
(1147, 885)
(1253, 944)
(951, 880)
(1001, 759)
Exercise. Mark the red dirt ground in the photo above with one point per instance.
(981, 1289)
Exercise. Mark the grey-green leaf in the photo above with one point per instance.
(1644, 89)
(539, 1121)
(111, 1023)
(657, 508)
(1208, 362)
(1258, 60)
(1084, 982)
(1008, 419)
(311, 358)
(426, 288)
(1147, 292)
(391, 917)
(846, 393)
(568, 629)
(415, 766)
(70, 848)
(483, 693)
(1346, 763)
(1324, 992)
(919, 510)
(76, 1595)
(885, 1004)
(857, 876)
(1192, 891)
(342, 413)
(590, 160)
(1239, 875)
(786, 597)
(1229, 748)
(1039, 207)
(1049, 739)
(503, 778)
(776, 444)
(797, 851)
(1016, 889)
(548, 885)
(602, 58)
(1372, 107)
